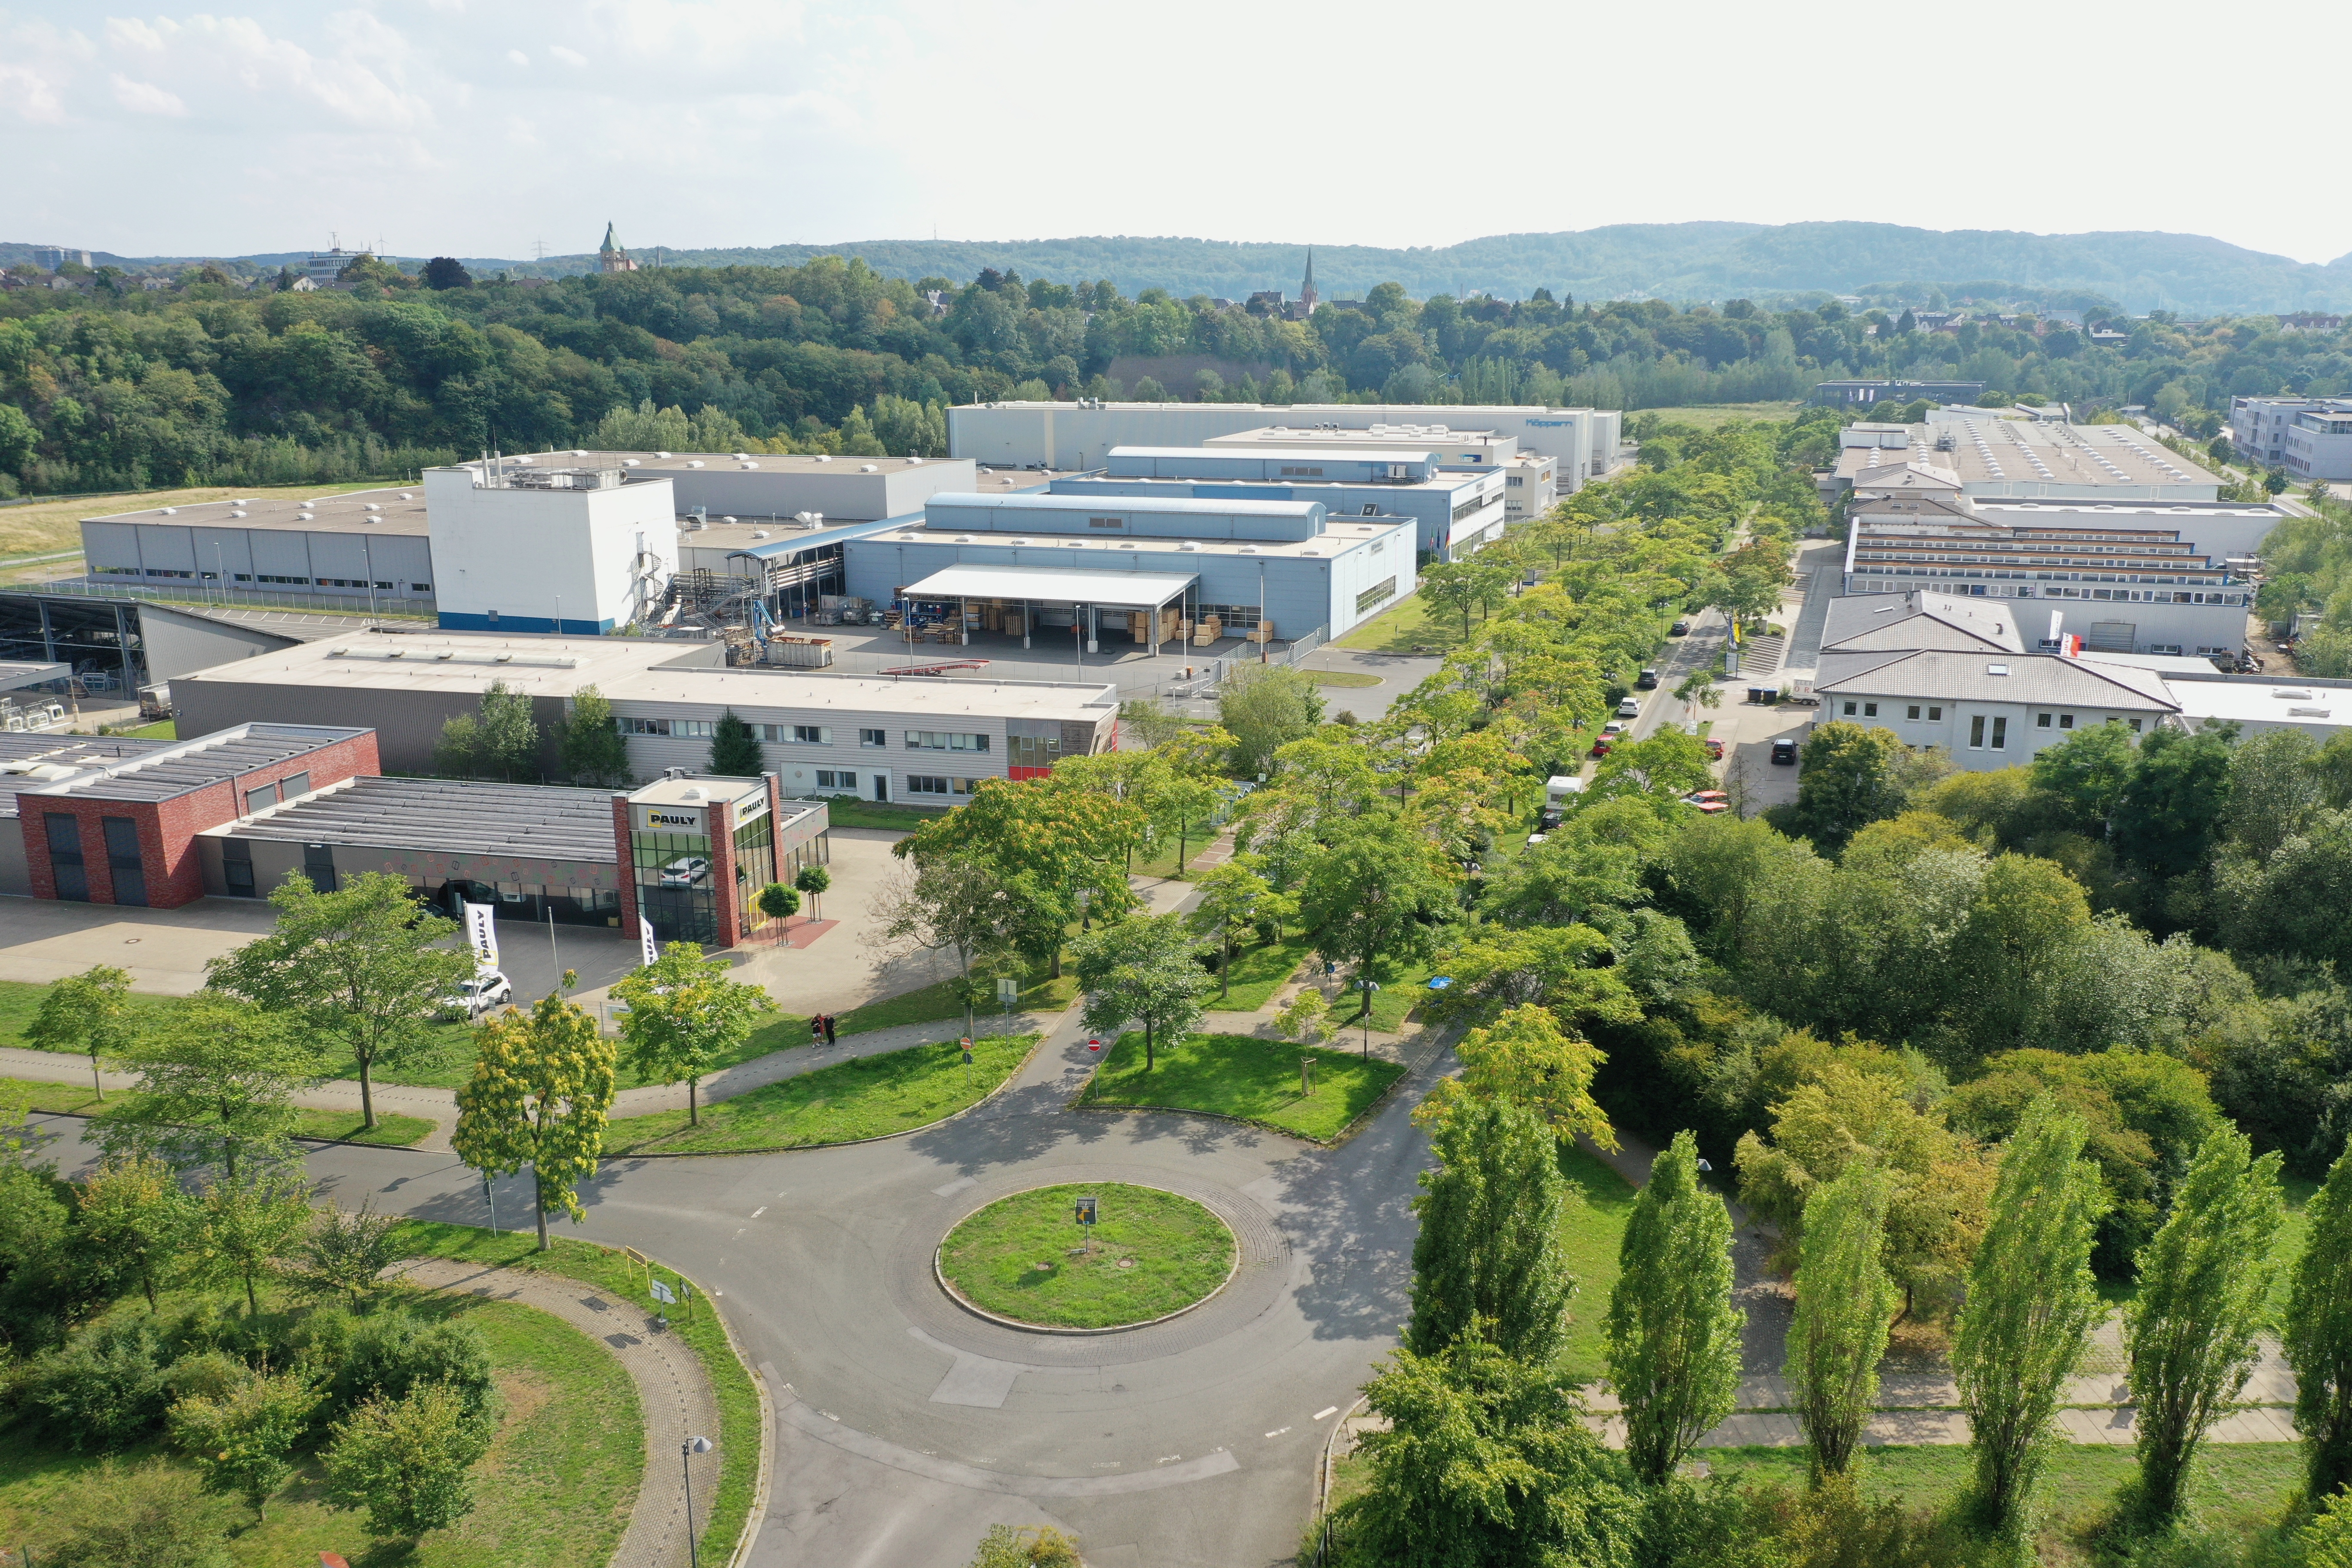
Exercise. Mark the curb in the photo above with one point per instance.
(844, 1144)
(958, 1298)
(295, 1138)
(1330, 1443)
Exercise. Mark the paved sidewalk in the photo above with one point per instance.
(674, 1393)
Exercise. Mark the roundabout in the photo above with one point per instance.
(1141, 1255)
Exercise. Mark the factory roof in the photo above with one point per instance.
(535, 666)
(745, 462)
(2261, 700)
(1987, 451)
(1125, 590)
(1289, 455)
(1385, 437)
(1180, 505)
(772, 540)
(14, 673)
(1904, 623)
(2004, 676)
(176, 768)
(751, 689)
(445, 814)
(358, 511)
(1341, 533)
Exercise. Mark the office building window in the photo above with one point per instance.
(2065, 721)
(2000, 734)
(1870, 709)
(872, 737)
(64, 831)
(943, 741)
(831, 778)
(123, 860)
(675, 728)
(1849, 710)
(1976, 733)
(1379, 592)
(1914, 711)
(2042, 721)
(926, 783)
(260, 800)
(1935, 715)
(1031, 751)
(295, 783)
(812, 734)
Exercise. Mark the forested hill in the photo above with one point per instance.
(1687, 261)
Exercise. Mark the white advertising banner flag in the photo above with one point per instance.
(646, 934)
(482, 934)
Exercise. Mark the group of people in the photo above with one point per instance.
(821, 1029)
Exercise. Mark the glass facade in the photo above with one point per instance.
(755, 865)
(675, 894)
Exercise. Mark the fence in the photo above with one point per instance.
(223, 597)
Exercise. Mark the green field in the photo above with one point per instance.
(867, 1097)
(848, 811)
(1412, 626)
(1348, 677)
(556, 1489)
(1711, 416)
(1260, 972)
(1151, 1253)
(738, 1435)
(1242, 1076)
(1590, 1232)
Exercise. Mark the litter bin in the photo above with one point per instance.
(1755, 694)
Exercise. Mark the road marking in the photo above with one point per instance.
(1167, 1458)
(1326, 1410)
(1277, 1431)
(828, 1414)
(756, 1214)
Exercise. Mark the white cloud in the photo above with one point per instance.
(146, 97)
(518, 57)
(569, 57)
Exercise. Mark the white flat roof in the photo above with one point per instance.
(2262, 701)
(757, 692)
(1138, 590)
(1289, 455)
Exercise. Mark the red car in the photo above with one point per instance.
(1715, 748)
(1600, 747)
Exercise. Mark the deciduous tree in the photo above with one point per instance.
(1845, 1304)
(1673, 1334)
(1526, 1059)
(1264, 708)
(242, 1226)
(1235, 899)
(2204, 1291)
(685, 1012)
(136, 1217)
(86, 1013)
(594, 755)
(1376, 897)
(243, 1441)
(1141, 968)
(345, 1255)
(541, 1089)
(362, 965)
(2317, 1340)
(216, 1082)
(1488, 1252)
(406, 1461)
(2031, 1302)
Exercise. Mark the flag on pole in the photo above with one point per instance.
(645, 934)
(482, 934)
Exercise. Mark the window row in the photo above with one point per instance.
(926, 784)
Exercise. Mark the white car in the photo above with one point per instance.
(476, 996)
(685, 871)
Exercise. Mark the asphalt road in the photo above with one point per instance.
(906, 1426)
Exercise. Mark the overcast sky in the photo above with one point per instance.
(482, 127)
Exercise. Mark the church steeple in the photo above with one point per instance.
(1307, 295)
(610, 256)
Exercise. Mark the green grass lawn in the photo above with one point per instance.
(1710, 417)
(1241, 1075)
(1414, 624)
(1590, 1232)
(867, 1096)
(392, 1131)
(2234, 1485)
(20, 1002)
(1152, 1253)
(161, 730)
(1348, 677)
(555, 1490)
(1260, 972)
(2284, 1251)
(1393, 1004)
(738, 1437)
(848, 811)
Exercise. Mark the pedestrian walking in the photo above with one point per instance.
(830, 1037)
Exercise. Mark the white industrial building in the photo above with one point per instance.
(526, 547)
(1158, 566)
(919, 739)
(370, 547)
(759, 486)
(1583, 442)
(2020, 458)
(1457, 511)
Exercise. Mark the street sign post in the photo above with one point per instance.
(1085, 1207)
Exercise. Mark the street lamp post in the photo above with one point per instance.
(1369, 987)
(686, 1452)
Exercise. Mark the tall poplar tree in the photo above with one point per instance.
(2204, 1286)
(2318, 1335)
(2031, 1302)
(1845, 1303)
(539, 1098)
(1673, 1334)
(1489, 1241)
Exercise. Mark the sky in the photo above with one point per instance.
(488, 128)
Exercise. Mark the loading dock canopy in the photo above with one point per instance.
(1109, 590)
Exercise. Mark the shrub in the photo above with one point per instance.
(390, 1355)
(107, 1390)
(154, 1516)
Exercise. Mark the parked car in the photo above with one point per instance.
(1646, 681)
(1628, 708)
(1600, 747)
(1784, 753)
(1709, 806)
(1615, 727)
(1679, 629)
(476, 996)
(1547, 819)
(1534, 839)
(1714, 747)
